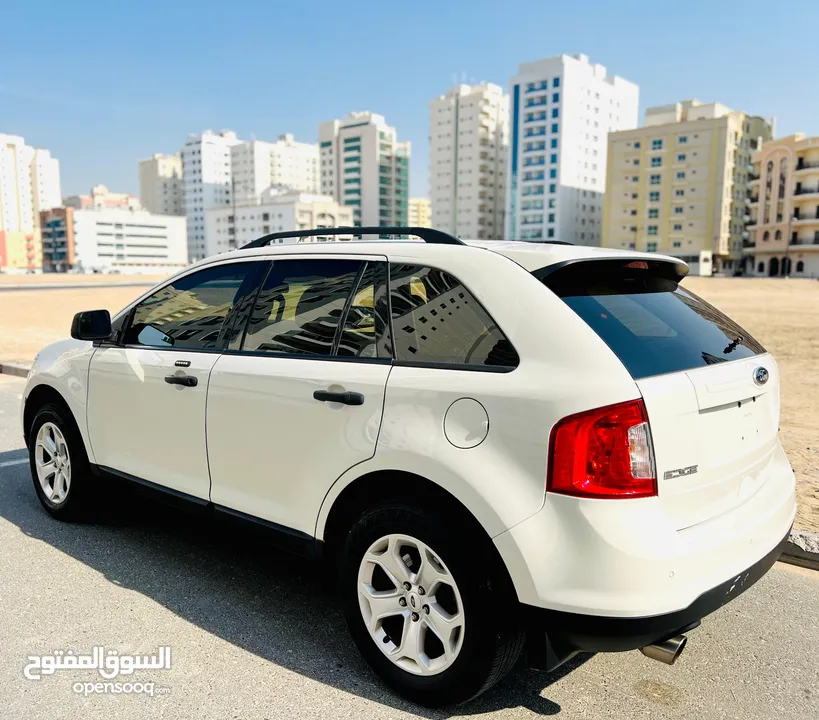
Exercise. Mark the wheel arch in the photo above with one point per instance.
(39, 396)
(339, 512)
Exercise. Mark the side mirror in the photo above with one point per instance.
(91, 325)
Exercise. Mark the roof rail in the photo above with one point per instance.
(429, 235)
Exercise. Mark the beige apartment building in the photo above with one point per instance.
(420, 212)
(784, 209)
(678, 185)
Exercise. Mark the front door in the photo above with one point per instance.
(297, 400)
(147, 390)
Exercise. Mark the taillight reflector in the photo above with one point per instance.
(603, 453)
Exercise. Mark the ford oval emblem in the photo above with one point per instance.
(760, 376)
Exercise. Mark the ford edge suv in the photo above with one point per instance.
(501, 448)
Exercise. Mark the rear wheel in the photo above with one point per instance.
(59, 464)
(426, 607)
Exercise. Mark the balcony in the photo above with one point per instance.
(807, 167)
(753, 178)
(805, 193)
(805, 240)
(800, 221)
(748, 244)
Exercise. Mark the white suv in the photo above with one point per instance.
(499, 445)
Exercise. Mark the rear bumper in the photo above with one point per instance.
(555, 636)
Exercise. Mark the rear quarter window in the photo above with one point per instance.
(654, 325)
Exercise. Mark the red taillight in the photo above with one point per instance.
(603, 453)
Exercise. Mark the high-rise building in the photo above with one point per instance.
(678, 185)
(161, 189)
(275, 211)
(206, 177)
(284, 164)
(100, 239)
(365, 167)
(784, 208)
(562, 110)
(101, 198)
(468, 146)
(419, 214)
(29, 183)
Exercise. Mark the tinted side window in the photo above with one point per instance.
(366, 325)
(301, 305)
(189, 313)
(436, 319)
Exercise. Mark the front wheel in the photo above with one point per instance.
(59, 464)
(425, 606)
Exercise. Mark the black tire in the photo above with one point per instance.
(492, 640)
(78, 498)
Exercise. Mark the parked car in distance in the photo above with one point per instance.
(499, 447)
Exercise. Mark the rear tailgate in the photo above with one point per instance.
(710, 390)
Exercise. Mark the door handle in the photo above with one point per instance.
(185, 380)
(345, 398)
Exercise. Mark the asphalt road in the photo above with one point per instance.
(254, 636)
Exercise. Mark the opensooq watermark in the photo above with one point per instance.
(109, 664)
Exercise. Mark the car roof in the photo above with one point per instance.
(529, 255)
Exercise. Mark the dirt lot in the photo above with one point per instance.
(782, 314)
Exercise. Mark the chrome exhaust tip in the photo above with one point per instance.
(667, 651)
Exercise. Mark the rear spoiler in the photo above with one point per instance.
(665, 267)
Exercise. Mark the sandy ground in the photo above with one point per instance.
(782, 314)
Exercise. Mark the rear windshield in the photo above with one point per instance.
(651, 323)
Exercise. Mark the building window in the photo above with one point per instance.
(678, 210)
(800, 266)
(550, 232)
(654, 213)
(766, 236)
(551, 217)
(554, 113)
(681, 175)
(554, 127)
(683, 139)
(679, 193)
(654, 179)
(553, 173)
(681, 157)
(656, 144)
(556, 83)
(654, 197)
(676, 244)
(678, 228)
(552, 189)
(553, 143)
(656, 161)
(651, 247)
(652, 229)
(778, 235)
(553, 158)
(637, 145)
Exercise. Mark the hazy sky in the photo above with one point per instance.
(105, 84)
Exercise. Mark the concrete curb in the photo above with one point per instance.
(802, 548)
(18, 369)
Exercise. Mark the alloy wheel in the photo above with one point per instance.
(53, 462)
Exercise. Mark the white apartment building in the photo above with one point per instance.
(284, 164)
(228, 228)
(364, 167)
(29, 184)
(128, 241)
(562, 109)
(468, 146)
(206, 177)
(161, 189)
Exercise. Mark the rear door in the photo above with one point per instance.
(297, 400)
(710, 390)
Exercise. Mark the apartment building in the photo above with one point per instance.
(29, 183)
(419, 213)
(562, 109)
(207, 180)
(106, 239)
(101, 198)
(284, 164)
(784, 209)
(468, 147)
(363, 166)
(161, 189)
(276, 211)
(678, 185)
